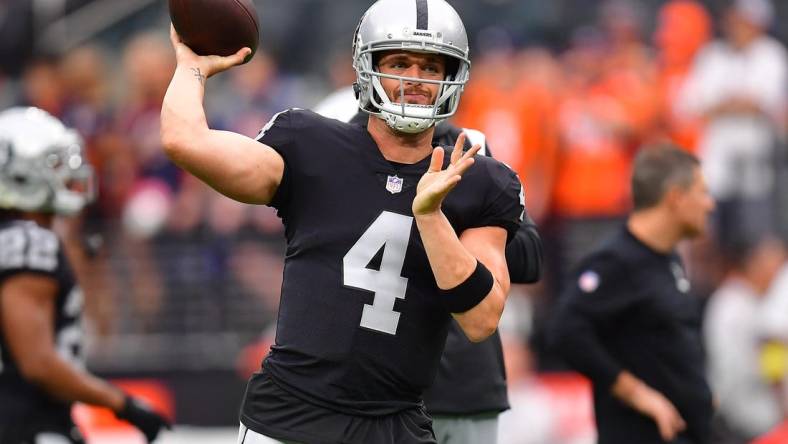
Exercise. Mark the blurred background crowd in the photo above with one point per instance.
(182, 284)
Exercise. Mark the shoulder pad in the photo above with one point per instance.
(477, 137)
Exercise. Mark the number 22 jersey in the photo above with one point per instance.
(361, 327)
(26, 247)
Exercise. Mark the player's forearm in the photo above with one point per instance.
(183, 119)
(481, 321)
(66, 382)
(452, 265)
(450, 261)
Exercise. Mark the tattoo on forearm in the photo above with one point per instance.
(198, 75)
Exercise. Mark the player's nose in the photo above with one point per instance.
(413, 72)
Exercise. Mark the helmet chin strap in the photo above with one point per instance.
(420, 117)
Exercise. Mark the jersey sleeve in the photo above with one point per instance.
(524, 250)
(505, 201)
(29, 249)
(524, 253)
(278, 133)
(599, 296)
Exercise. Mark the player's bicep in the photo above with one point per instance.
(27, 310)
(488, 245)
(237, 166)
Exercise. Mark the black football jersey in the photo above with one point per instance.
(471, 378)
(360, 327)
(631, 308)
(26, 247)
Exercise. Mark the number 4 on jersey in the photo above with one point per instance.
(391, 232)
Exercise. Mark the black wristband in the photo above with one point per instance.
(470, 292)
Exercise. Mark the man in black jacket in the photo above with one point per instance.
(629, 323)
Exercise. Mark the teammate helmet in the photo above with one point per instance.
(430, 26)
(42, 168)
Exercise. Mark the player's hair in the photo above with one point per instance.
(656, 169)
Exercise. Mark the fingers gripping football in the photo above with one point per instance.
(204, 66)
(437, 182)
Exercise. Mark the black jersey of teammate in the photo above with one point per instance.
(630, 308)
(26, 247)
(360, 329)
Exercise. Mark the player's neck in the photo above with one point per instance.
(398, 146)
(653, 227)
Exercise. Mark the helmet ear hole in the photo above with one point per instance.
(452, 67)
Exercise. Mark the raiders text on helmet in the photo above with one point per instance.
(430, 26)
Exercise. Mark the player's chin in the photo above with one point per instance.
(695, 230)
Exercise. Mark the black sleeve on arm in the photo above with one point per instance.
(600, 294)
(278, 134)
(524, 254)
(524, 250)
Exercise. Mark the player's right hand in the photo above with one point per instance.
(655, 405)
(143, 417)
(207, 65)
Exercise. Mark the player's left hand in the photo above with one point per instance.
(143, 417)
(436, 183)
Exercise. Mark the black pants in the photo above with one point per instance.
(282, 416)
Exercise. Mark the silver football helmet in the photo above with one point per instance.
(42, 167)
(431, 26)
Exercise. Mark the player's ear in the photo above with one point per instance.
(673, 196)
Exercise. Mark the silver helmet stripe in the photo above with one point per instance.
(422, 15)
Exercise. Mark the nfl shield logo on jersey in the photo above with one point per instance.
(394, 184)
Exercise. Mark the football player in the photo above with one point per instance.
(469, 390)
(42, 174)
(388, 239)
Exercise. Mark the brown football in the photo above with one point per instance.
(216, 27)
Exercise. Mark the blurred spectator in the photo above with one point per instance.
(88, 108)
(341, 104)
(251, 95)
(683, 27)
(595, 148)
(514, 107)
(630, 69)
(748, 405)
(774, 335)
(42, 86)
(85, 76)
(738, 85)
(148, 65)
